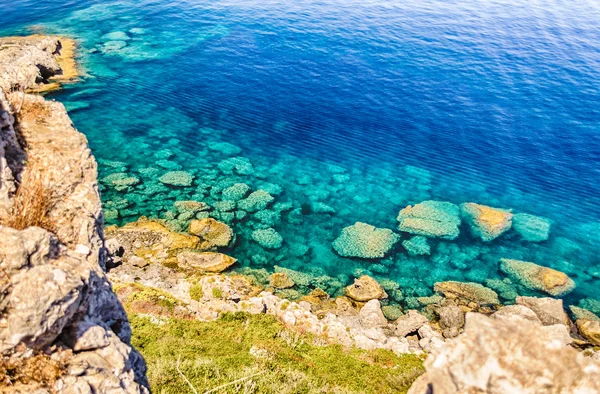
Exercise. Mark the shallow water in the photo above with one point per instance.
(365, 107)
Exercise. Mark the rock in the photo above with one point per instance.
(452, 319)
(235, 192)
(213, 232)
(486, 222)
(531, 228)
(177, 178)
(538, 277)
(581, 313)
(138, 262)
(549, 310)
(412, 321)
(225, 148)
(468, 291)
(558, 336)
(590, 330)
(364, 289)
(371, 316)
(392, 312)
(433, 219)
(517, 312)
(205, 261)
(365, 241)
(267, 238)
(497, 356)
(256, 201)
(190, 206)
(280, 280)
(431, 341)
(417, 246)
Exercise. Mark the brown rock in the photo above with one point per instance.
(486, 222)
(365, 289)
(280, 280)
(538, 277)
(549, 310)
(590, 330)
(205, 261)
(213, 232)
(467, 291)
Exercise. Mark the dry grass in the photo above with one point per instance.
(33, 201)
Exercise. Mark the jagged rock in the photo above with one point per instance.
(280, 280)
(452, 319)
(365, 289)
(538, 277)
(486, 222)
(365, 241)
(590, 330)
(496, 356)
(468, 291)
(213, 232)
(434, 219)
(410, 322)
(204, 261)
(371, 316)
(431, 341)
(531, 228)
(549, 310)
(517, 312)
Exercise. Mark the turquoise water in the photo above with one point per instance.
(347, 112)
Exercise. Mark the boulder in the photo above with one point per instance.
(371, 316)
(497, 356)
(365, 241)
(204, 261)
(486, 222)
(452, 320)
(213, 232)
(549, 310)
(471, 292)
(590, 330)
(531, 228)
(410, 322)
(365, 289)
(280, 280)
(433, 219)
(580, 313)
(517, 312)
(537, 277)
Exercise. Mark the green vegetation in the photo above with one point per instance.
(259, 355)
(217, 293)
(196, 292)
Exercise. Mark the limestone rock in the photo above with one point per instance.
(590, 330)
(364, 289)
(280, 280)
(177, 178)
(452, 319)
(531, 228)
(549, 310)
(410, 322)
(468, 291)
(433, 219)
(267, 238)
(581, 313)
(365, 241)
(417, 246)
(213, 232)
(486, 222)
(204, 261)
(538, 277)
(371, 316)
(517, 312)
(496, 356)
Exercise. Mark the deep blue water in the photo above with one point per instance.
(496, 102)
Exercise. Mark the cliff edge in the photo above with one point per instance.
(62, 328)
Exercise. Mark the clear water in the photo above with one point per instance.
(363, 106)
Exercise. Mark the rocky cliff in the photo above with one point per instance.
(62, 329)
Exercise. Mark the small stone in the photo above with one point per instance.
(412, 321)
(138, 262)
(365, 289)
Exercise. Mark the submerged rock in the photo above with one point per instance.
(365, 241)
(177, 178)
(531, 228)
(280, 280)
(417, 246)
(268, 238)
(468, 291)
(537, 277)
(433, 219)
(497, 356)
(486, 222)
(256, 201)
(204, 261)
(215, 233)
(235, 192)
(365, 289)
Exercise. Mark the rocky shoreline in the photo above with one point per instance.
(73, 321)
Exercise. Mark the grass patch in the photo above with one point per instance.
(217, 293)
(196, 292)
(241, 345)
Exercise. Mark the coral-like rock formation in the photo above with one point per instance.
(177, 178)
(471, 292)
(417, 246)
(486, 222)
(268, 238)
(538, 277)
(56, 300)
(434, 219)
(365, 241)
(531, 228)
(497, 356)
(364, 289)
